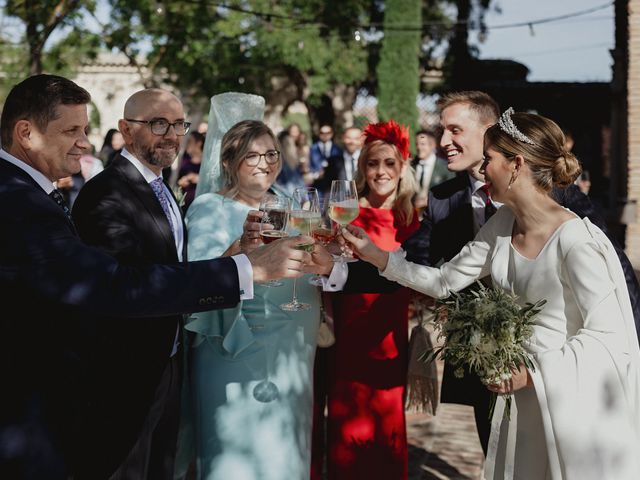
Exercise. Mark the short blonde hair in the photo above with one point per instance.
(235, 146)
(485, 107)
(407, 186)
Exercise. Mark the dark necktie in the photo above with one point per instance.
(59, 199)
(158, 188)
(421, 179)
(489, 207)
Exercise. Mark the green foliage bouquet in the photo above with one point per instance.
(485, 331)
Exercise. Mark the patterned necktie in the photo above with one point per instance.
(59, 199)
(158, 188)
(489, 207)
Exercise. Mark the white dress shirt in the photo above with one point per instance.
(479, 202)
(424, 171)
(350, 164)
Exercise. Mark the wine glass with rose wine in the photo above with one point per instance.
(343, 207)
(273, 224)
(304, 218)
(324, 233)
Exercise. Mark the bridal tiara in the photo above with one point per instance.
(507, 126)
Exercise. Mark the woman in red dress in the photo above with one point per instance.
(366, 372)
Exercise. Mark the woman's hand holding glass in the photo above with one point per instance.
(362, 245)
(250, 238)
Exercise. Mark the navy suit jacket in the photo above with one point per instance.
(317, 158)
(118, 212)
(52, 286)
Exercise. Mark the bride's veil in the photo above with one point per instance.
(227, 109)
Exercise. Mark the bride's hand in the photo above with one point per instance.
(520, 379)
(362, 246)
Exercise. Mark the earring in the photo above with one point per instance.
(513, 179)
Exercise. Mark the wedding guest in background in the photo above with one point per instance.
(363, 382)
(429, 169)
(584, 394)
(190, 167)
(343, 166)
(113, 143)
(322, 150)
(291, 174)
(240, 430)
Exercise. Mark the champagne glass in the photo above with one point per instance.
(343, 207)
(304, 217)
(273, 224)
(324, 233)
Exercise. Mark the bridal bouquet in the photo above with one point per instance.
(485, 330)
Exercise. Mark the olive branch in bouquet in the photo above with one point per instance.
(485, 330)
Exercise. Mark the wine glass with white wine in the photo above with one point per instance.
(304, 217)
(343, 207)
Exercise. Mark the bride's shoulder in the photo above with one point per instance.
(576, 234)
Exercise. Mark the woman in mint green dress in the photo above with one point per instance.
(250, 368)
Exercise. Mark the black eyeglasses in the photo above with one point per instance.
(160, 126)
(253, 158)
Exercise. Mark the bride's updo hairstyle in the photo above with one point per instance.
(540, 141)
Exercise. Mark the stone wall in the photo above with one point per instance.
(633, 88)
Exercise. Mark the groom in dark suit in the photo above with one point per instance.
(130, 213)
(52, 285)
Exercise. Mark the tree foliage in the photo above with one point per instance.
(299, 49)
(41, 18)
(398, 70)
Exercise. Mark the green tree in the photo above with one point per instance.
(398, 70)
(41, 18)
(287, 51)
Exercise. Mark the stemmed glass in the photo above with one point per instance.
(273, 224)
(343, 207)
(304, 217)
(323, 233)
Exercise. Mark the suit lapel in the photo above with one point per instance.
(18, 173)
(144, 193)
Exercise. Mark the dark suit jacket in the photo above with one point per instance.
(118, 212)
(333, 171)
(52, 286)
(317, 158)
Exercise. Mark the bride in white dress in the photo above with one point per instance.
(577, 416)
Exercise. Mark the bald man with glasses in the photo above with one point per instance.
(129, 212)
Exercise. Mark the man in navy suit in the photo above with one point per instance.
(322, 151)
(343, 166)
(52, 285)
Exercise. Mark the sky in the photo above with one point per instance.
(573, 49)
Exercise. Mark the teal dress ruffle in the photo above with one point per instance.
(231, 351)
